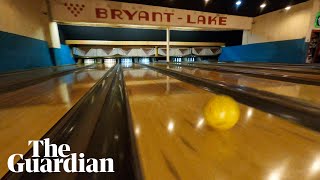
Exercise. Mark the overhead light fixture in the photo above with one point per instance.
(206, 1)
(238, 3)
(263, 5)
(288, 8)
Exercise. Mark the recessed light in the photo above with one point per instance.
(206, 1)
(238, 3)
(263, 5)
(287, 8)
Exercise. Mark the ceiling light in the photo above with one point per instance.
(287, 8)
(206, 1)
(238, 3)
(263, 5)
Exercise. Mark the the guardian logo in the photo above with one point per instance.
(57, 159)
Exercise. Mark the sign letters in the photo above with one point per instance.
(118, 13)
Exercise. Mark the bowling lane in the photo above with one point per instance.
(307, 66)
(21, 76)
(277, 68)
(174, 141)
(264, 71)
(304, 92)
(28, 113)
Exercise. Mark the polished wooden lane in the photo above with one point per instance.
(282, 65)
(174, 141)
(265, 71)
(27, 114)
(301, 91)
(11, 78)
(277, 68)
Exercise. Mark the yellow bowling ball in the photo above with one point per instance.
(222, 112)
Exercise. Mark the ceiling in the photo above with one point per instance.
(249, 8)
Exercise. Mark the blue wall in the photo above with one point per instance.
(290, 51)
(63, 55)
(20, 52)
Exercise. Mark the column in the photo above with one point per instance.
(54, 42)
(168, 45)
(156, 51)
(54, 35)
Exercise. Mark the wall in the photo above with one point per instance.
(23, 35)
(289, 51)
(280, 25)
(278, 37)
(21, 52)
(24, 18)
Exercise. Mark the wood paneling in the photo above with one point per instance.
(143, 43)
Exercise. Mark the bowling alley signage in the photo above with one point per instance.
(118, 13)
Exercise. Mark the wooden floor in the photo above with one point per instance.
(27, 114)
(281, 68)
(300, 91)
(174, 141)
(299, 75)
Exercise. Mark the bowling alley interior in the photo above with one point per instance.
(160, 90)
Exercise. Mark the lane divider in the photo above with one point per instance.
(285, 78)
(274, 68)
(301, 113)
(98, 127)
(25, 79)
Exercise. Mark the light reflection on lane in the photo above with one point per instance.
(200, 123)
(175, 135)
(170, 126)
(30, 112)
(300, 91)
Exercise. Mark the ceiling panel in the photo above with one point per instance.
(249, 8)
